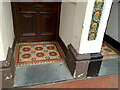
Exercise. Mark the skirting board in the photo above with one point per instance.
(83, 64)
(63, 46)
(7, 68)
(8, 59)
(14, 43)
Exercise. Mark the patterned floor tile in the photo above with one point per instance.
(108, 51)
(39, 52)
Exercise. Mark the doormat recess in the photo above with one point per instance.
(38, 53)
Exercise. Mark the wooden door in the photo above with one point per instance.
(27, 26)
(47, 25)
(36, 21)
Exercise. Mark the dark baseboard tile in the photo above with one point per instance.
(63, 46)
(6, 63)
(91, 63)
(80, 57)
(7, 68)
(14, 43)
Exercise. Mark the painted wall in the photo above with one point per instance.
(112, 28)
(72, 17)
(68, 10)
(119, 22)
(94, 46)
(6, 30)
(1, 45)
(75, 24)
(78, 24)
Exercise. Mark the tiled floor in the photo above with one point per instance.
(108, 51)
(38, 52)
(109, 66)
(47, 52)
(58, 71)
(27, 75)
(99, 82)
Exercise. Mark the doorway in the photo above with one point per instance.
(52, 70)
(36, 21)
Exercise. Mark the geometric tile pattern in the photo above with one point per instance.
(108, 51)
(96, 16)
(34, 53)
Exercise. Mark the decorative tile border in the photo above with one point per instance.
(17, 50)
(96, 16)
(108, 51)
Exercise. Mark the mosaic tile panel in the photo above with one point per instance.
(34, 53)
(96, 16)
(108, 51)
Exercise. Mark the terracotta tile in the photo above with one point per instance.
(99, 82)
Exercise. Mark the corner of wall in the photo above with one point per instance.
(7, 32)
(94, 46)
(78, 24)
(66, 21)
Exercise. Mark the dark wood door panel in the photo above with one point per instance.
(36, 21)
(28, 39)
(27, 24)
(35, 6)
(47, 38)
(47, 23)
(46, 7)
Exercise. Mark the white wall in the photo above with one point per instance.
(75, 24)
(94, 46)
(112, 28)
(71, 21)
(1, 45)
(68, 10)
(78, 24)
(119, 22)
(6, 32)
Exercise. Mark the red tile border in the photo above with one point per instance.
(41, 61)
